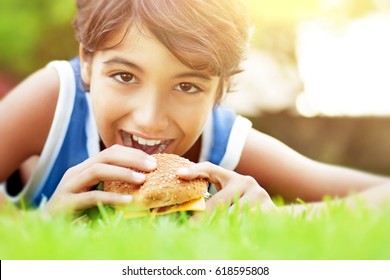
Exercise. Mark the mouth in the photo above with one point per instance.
(149, 146)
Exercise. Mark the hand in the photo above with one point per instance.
(230, 186)
(115, 163)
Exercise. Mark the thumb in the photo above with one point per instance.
(206, 170)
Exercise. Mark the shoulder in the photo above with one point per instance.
(224, 137)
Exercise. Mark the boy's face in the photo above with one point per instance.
(144, 97)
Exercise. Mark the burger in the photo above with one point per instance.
(163, 192)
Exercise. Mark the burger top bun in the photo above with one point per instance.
(162, 187)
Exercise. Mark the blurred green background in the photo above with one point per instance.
(32, 33)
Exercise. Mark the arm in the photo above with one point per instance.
(373, 197)
(284, 172)
(26, 114)
(237, 190)
(270, 167)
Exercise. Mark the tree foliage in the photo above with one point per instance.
(35, 32)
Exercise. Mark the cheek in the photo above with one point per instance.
(99, 104)
(101, 117)
(103, 97)
(105, 108)
(192, 119)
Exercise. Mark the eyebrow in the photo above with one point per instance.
(189, 74)
(124, 62)
(193, 74)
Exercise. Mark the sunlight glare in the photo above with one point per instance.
(345, 70)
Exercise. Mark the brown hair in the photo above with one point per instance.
(203, 34)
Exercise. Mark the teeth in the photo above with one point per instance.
(146, 142)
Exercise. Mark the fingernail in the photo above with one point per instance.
(151, 164)
(127, 198)
(139, 176)
(183, 171)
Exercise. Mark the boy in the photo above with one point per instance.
(149, 78)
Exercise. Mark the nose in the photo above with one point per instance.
(151, 114)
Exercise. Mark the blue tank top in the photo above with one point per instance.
(74, 147)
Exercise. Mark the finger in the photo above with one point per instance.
(217, 201)
(101, 172)
(223, 198)
(239, 205)
(124, 156)
(246, 203)
(213, 173)
(258, 199)
(93, 198)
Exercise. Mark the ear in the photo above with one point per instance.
(85, 65)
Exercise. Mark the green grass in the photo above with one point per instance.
(337, 233)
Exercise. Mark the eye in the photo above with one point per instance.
(187, 88)
(125, 78)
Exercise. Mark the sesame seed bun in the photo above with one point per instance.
(162, 187)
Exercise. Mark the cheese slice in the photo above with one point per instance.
(198, 204)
